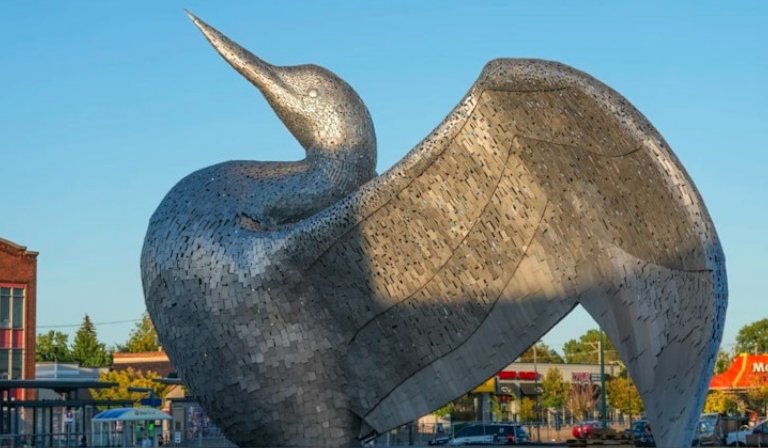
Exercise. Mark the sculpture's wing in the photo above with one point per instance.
(542, 189)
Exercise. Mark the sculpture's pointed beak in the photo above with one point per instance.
(264, 76)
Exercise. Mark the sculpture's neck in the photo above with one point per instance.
(349, 167)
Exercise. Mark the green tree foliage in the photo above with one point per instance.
(544, 354)
(723, 361)
(526, 410)
(129, 378)
(87, 350)
(53, 346)
(143, 337)
(496, 408)
(555, 389)
(756, 398)
(587, 349)
(721, 402)
(444, 410)
(463, 409)
(581, 400)
(753, 338)
(623, 395)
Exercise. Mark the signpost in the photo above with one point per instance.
(152, 402)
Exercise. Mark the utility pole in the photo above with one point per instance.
(603, 405)
(536, 391)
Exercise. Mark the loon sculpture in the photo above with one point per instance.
(313, 303)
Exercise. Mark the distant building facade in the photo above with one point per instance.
(157, 362)
(521, 379)
(18, 311)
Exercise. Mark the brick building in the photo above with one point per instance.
(18, 285)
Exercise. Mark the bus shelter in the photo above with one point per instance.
(123, 427)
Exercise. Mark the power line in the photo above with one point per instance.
(114, 322)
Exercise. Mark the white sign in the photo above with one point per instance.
(177, 437)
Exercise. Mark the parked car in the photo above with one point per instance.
(490, 434)
(521, 435)
(440, 440)
(594, 429)
(638, 428)
(749, 436)
(642, 433)
(709, 431)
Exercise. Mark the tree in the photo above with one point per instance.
(53, 346)
(756, 397)
(129, 378)
(496, 408)
(721, 402)
(87, 350)
(143, 337)
(527, 410)
(463, 409)
(587, 349)
(443, 411)
(753, 338)
(555, 389)
(581, 400)
(623, 395)
(722, 362)
(544, 354)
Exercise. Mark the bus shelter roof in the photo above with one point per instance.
(130, 414)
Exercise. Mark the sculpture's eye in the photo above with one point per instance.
(312, 93)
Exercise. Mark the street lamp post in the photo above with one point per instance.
(536, 391)
(603, 405)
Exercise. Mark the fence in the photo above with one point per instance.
(416, 434)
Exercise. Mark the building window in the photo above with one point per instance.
(4, 372)
(16, 363)
(5, 307)
(12, 331)
(18, 308)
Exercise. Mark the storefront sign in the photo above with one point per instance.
(520, 376)
(581, 377)
(759, 367)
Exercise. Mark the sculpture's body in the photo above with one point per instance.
(301, 325)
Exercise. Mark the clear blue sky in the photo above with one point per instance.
(105, 105)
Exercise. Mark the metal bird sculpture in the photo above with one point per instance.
(313, 303)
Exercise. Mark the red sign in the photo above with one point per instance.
(581, 377)
(514, 375)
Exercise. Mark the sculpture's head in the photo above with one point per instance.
(322, 111)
